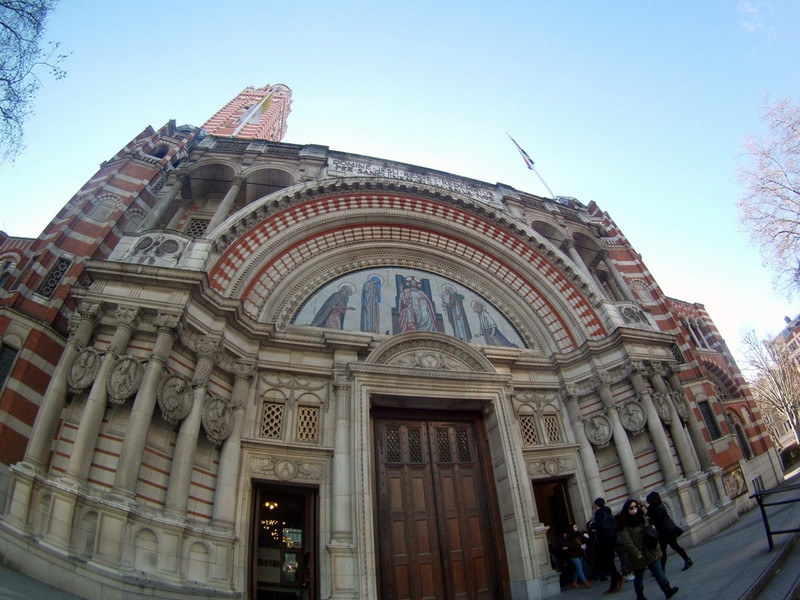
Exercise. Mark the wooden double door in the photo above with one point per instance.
(438, 530)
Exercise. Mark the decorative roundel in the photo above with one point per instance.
(84, 370)
(175, 399)
(124, 379)
(598, 430)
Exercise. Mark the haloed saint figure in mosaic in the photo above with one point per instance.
(332, 312)
(414, 298)
(417, 312)
(370, 304)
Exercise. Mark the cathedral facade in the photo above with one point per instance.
(239, 368)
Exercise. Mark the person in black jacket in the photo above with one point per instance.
(605, 527)
(668, 532)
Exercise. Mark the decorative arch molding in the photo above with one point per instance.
(258, 263)
(730, 385)
(430, 351)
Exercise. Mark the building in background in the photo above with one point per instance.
(235, 367)
(780, 429)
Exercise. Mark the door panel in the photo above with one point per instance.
(435, 531)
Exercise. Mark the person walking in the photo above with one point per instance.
(668, 531)
(572, 546)
(641, 556)
(605, 543)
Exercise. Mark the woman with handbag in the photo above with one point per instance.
(668, 532)
(642, 554)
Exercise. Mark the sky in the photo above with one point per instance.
(642, 107)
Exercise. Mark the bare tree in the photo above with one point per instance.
(770, 203)
(21, 58)
(775, 381)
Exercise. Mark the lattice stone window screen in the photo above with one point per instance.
(552, 429)
(527, 424)
(53, 278)
(307, 423)
(272, 420)
(197, 227)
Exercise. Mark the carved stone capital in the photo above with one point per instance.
(126, 316)
(167, 322)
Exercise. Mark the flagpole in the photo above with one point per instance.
(530, 165)
(552, 195)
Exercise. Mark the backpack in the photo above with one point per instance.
(606, 526)
(650, 537)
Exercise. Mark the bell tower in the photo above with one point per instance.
(255, 113)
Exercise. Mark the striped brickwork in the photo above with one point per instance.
(228, 274)
(256, 113)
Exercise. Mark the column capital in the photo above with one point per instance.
(207, 349)
(126, 316)
(167, 322)
(657, 368)
(243, 370)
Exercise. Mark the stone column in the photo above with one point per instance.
(685, 453)
(588, 459)
(621, 442)
(36, 454)
(163, 202)
(224, 208)
(183, 457)
(130, 459)
(576, 258)
(695, 431)
(24, 473)
(244, 391)
(620, 283)
(660, 440)
(341, 499)
(92, 418)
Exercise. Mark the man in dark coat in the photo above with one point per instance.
(668, 531)
(605, 545)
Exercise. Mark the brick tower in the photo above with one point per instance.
(255, 113)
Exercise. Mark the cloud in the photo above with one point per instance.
(752, 15)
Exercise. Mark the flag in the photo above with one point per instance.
(525, 157)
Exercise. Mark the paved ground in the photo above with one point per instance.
(735, 564)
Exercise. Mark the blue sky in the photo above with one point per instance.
(640, 106)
